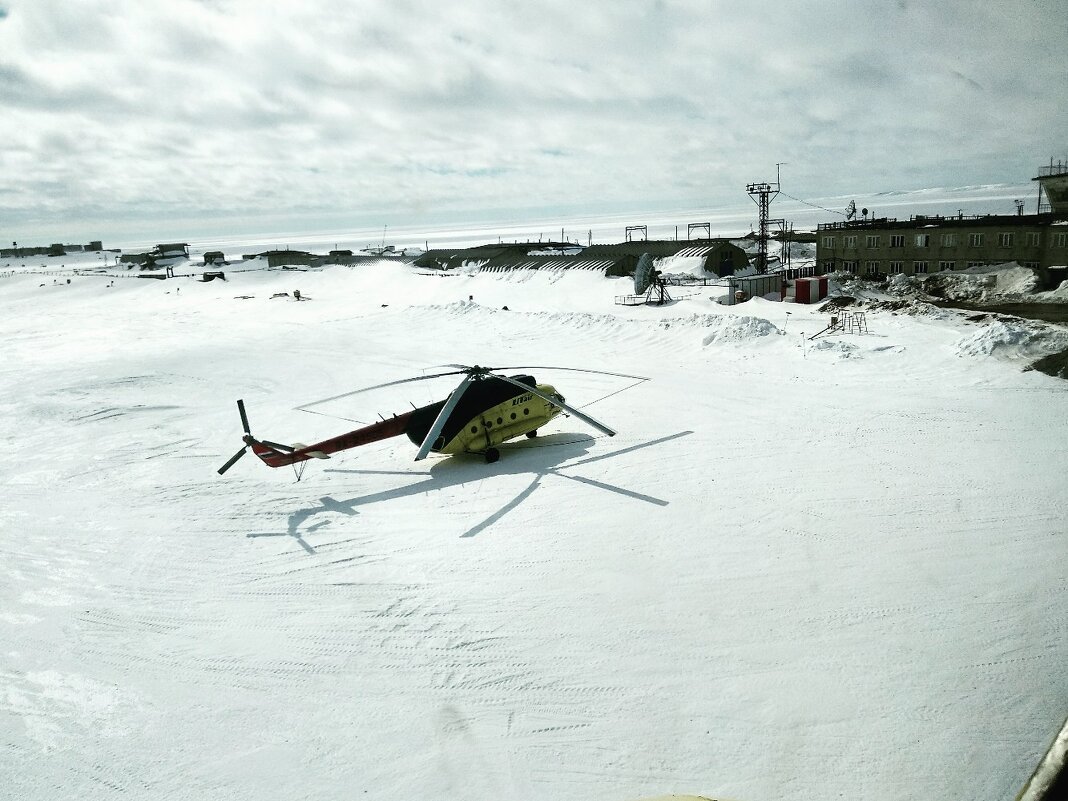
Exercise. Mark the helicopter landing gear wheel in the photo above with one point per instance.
(532, 434)
(492, 455)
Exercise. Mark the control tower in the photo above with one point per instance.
(1053, 183)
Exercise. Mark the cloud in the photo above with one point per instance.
(381, 110)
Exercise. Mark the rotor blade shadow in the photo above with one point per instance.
(620, 452)
(454, 471)
(613, 488)
(535, 460)
(512, 504)
(291, 533)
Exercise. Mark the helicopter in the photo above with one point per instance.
(486, 409)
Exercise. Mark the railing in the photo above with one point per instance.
(1054, 168)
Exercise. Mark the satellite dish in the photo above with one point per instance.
(851, 210)
(643, 274)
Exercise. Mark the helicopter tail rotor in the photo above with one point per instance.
(247, 438)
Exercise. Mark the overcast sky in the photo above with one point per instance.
(118, 117)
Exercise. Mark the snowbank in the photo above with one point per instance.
(975, 285)
(1022, 339)
(737, 330)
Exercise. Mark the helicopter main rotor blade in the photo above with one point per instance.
(569, 370)
(244, 417)
(233, 460)
(557, 402)
(443, 415)
(307, 406)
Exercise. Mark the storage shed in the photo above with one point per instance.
(810, 290)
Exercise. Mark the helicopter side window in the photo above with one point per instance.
(526, 411)
(500, 420)
(474, 429)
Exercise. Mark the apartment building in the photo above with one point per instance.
(928, 244)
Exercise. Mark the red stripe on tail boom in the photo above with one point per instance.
(384, 429)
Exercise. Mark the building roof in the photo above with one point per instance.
(936, 221)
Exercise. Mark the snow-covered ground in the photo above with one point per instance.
(803, 569)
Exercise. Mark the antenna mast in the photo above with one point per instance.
(762, 194)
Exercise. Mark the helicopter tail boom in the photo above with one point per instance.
(273, 455)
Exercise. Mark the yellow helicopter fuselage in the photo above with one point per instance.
(513, 418)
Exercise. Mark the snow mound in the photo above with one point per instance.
(734, 330)
(837, 347)
(911, 306)
(1008, 279)
(1013, 339)
(1058, 295)
(989, 283)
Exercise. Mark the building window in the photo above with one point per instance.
(919, 267)
(1060, 240)
(1031, 265)
(949, 240)
(897, 267)
(897, 240)
(828, 266)
(872, 241)
(975, 264)
(975, 240)
(850, 242)
(1031, 239)
(1005, 239)
(828, 242)
(850, 267)
(947, 265)
(872, 268)
(923, 240)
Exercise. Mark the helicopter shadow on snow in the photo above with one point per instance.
(539, 458)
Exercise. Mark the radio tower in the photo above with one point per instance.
(762, 194)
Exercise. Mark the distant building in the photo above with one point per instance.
(55, 249)
(718, 256)
(214, 257)
(929, 244)
(288, 258)
(172, 249)
(21, 253)
(925, 244)
(143, 258)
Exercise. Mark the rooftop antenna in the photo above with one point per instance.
(851, 210)
(1019, 207)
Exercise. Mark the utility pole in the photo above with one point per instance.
(762, 194)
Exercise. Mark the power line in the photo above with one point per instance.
(814, 205)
